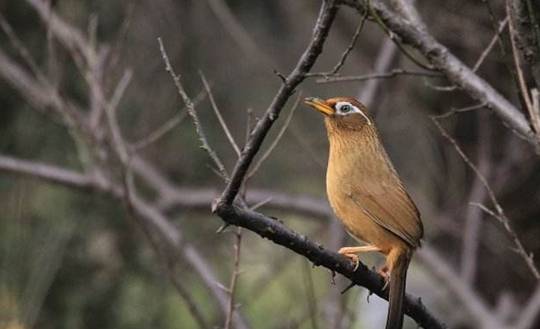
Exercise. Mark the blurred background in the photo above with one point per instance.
(75, 256)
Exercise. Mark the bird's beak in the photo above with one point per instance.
(320, 105)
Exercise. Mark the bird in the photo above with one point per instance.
(368, 196)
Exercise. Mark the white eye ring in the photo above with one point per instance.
(344, 108)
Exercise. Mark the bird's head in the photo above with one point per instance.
(342, 114)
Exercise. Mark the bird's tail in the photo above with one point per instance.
(398, 277)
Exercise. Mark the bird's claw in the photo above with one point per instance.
(385, 273)
(354, 258)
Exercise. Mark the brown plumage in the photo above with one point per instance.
(368, 196)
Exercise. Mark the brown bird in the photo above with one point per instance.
(368, 196)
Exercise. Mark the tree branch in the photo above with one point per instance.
(322, 27)
(413, 33)
(275, 231)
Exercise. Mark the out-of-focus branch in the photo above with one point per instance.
(218, 115)
(66, 34)
(41, 96)
(385, 57)
(530, 312)
(191, 111)
(280, 134)
(521, 48)
(346, 53)
(44, 96)
(234, 278)
(499, 213)
(322, 27)
(150, 215)
(473, 215)
(491, 44)
(237, 32)
(413, 33)
(526, 35)
(473, 305)
(382, 75)
(53, 174)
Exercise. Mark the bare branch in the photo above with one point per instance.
(346, 53)
(454, 111)
(382, 75)
(474, 306)
(310, 298)
(234, 277)
(66, 34)
(324, 21)
(473, 216)
(40, 95)
(519, 67)
(273, 230)
(218, 115)
(385, 57)
(412, 33)
(237, 32)
(51, 174)
(166, 127)
(530, 312)
(21, 49)
(535, 114)
(191, 110)
(520, 249)
(276, 140)
(491, 44)
(501, 216)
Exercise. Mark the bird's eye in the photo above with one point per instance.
(345, 108)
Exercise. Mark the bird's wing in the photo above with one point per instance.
(389, 205)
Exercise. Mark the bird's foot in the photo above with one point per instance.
(385, 273)
(353, 257)
(352, 253)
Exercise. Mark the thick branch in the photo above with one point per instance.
(275, 231)
(413, 33)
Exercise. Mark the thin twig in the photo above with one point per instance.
(519, 70)
(346, 53)
(473, 217)
(21, 49)
(384, 58)
(309, 288)
(501, 216)
(260, 204)
(491, 44)
(535, 115)
(446, 62)
(276, 140)
(191, 110)
(161, 131)
(52, 174)
(218, 114)
(166, 127)
(454, 111)
(381, 75)
(238, 32)
(325, 19)
(234, 277)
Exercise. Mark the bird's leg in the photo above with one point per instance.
(352, 253)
